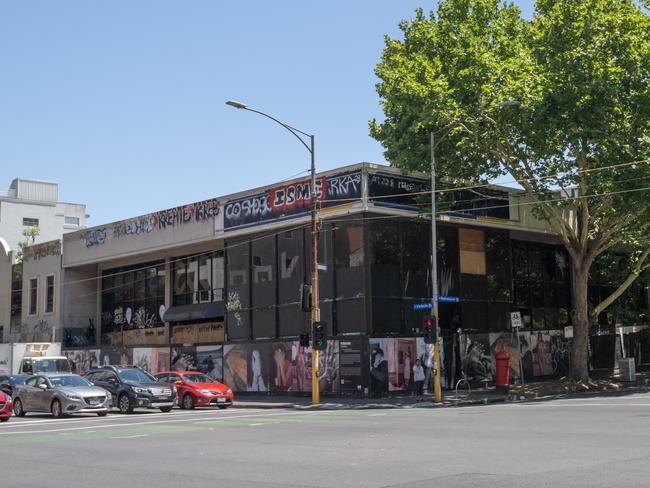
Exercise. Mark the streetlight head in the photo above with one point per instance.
(236, 104)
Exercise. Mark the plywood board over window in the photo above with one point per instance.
(472, 251)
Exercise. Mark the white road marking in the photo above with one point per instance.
(169, 420)
(255, 425)
(20, 422)
(131, 436)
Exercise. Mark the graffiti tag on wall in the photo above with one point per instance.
(164, 219)
(291, 200)
(39, 251)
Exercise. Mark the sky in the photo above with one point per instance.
(123, 102)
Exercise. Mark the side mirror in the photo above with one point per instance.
(43, 386)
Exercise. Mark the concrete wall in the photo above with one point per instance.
(189, 224)
(5, 289)
(39, 262)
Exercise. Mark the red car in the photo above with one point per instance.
(198, 389)
(5, 407)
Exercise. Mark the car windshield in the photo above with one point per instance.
(135, 375)
(198, 378)
(68, 381)
(50, 365)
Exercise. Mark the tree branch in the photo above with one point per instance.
(636, 272)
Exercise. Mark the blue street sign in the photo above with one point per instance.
(441, 298)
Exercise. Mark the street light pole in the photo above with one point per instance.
(315, 302)
(437, 388)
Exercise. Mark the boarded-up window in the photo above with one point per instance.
(472, 251)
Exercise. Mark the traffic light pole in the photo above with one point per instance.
(437, 387)
(315, 306)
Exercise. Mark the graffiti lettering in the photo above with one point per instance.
(95, 237)
(195, 212)
(344, 185)
(292, 199)
(39, 251)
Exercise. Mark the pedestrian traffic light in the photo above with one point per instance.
(304, 340)
(305, 297)
(429, 330)
(319, 336)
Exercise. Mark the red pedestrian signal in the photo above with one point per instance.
(429, 330)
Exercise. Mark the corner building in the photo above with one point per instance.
(215, 285)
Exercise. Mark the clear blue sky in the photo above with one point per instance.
(122, 101)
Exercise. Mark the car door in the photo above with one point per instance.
(27, 393)
(41, 396)
(111, 383)
(5, 384)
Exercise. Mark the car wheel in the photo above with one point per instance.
(222, 407)
(18, 408)
(101, 414)
(165, 409)
(124, 404)
(56, 409)
(188, 402)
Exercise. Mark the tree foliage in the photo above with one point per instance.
(561, 103)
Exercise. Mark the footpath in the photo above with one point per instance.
(602, 384)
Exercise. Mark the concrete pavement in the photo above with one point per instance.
(592, 442)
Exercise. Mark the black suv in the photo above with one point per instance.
(132, 387)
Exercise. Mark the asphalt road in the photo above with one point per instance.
(599, 442)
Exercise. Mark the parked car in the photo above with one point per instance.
(133, 387)
(9, 383)
(60, 394)
(198, 389)
(5, 407)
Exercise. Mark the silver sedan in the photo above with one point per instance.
(60, 394)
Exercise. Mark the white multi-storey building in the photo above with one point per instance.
(33, 203)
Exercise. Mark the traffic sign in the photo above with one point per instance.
(429, 305)
(515, 320)
(442, 298)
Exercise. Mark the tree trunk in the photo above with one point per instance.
(580, 319)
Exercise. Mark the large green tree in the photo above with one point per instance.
(560, 102)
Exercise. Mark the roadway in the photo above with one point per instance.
(595, 442)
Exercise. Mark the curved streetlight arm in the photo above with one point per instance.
(293, 130)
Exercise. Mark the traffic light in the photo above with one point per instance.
(430, 330)
(304, 340)
(319, 336)
(305, 297)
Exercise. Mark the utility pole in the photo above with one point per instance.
(437, 388)
(315, 305)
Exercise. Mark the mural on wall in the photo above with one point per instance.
(329, 375)
(378, 367)
(40, 251)
(83, 360)
(157, 221)
(183, 358)
(291, 199)
(197, 333)
(116, 356)
(235, 369)
(259, 367)
(209, 360)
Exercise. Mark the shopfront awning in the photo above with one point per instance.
(197, 311)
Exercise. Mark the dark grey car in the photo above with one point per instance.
(60, 394)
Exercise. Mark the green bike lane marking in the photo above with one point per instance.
(173, 427)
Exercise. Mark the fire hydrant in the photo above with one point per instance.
(503, 369)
